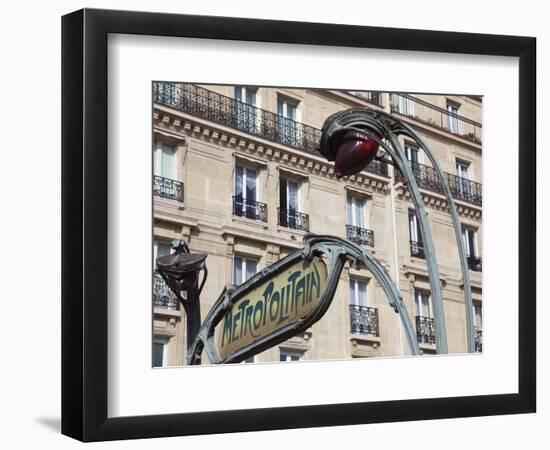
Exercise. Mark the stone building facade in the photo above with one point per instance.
(237, 177)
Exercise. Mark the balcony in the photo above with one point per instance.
(227, 111)
(163, 297)
(364, 320)
(361, 236)
(425, 333)
(478, 339)
(461, 188)
(474, 263)
(167, 188)
(249, 209)
(435, 116)
(417, 249)
(372, 97)
(291, 218)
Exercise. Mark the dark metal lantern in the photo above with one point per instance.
(350, 139)
(180, 270)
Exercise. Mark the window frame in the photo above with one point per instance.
(355, 290)
(158, 157)
(291, 354)
(244, 260)
(164, 342)
(420, 293)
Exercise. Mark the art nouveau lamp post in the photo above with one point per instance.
(351, 139)
(180, 270)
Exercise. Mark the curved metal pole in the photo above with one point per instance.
(370, 123)
(408, 131)
(397, 153)
(431, 260)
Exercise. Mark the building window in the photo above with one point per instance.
(245, 202)
(165, 171)
(288, 356)
(160, 249)
(416, 243)
(454, 122)
(289, 211)
(247, 117)
(424, 319)
(287, 126)
(357, 292)
(243, 269)
(470, 245)
(464, 186)
(165, 161)
(355, 211)
(411, 153)
(160, 352)
(363, 318)
(356, 230)
(463, 169)
(478, 326)
(405, 105)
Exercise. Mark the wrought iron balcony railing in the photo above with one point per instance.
(478, 339)
(435, 116)
(364, 320)
(233, 113)
(461, 188)
(291, 218)
(167, 188)
(372, 97)
(417, 249)
(425, 333)
(163, 297)
(249, 209)
(464, 189)
(361, 236)
(474, 263)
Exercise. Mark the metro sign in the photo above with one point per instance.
(285, 299)
(280, 300)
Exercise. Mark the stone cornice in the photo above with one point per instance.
(168, 119)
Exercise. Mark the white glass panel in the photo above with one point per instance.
(168, 163)
(422, 304)
(349, 211)
(157, 160)
(237, 270)
(466, 241)
(250, 96)
(293, 195)
(359, 206)
(362, 293)
(250, 185)
(413, 228)
(477, 315)
(250, 268)
(158, 354)
(352, 293)
(239, 182)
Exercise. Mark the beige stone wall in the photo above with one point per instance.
(207, 154)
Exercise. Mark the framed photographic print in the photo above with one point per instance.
(276, 225)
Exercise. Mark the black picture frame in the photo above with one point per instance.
(84, 224)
